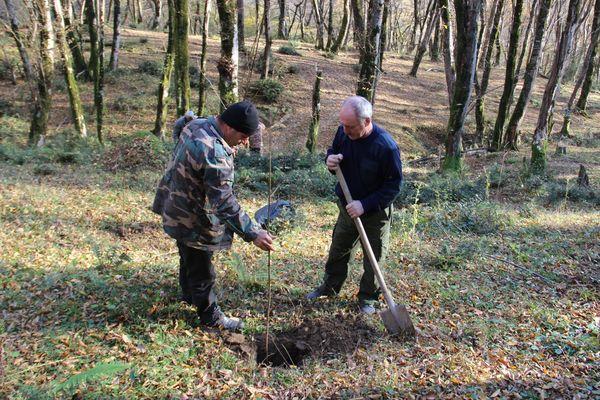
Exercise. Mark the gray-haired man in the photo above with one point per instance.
(370, 161)
(181, 123)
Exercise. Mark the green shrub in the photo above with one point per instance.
(143, 40)
(6, 108)
(151, 67)
(441, 188)
(356, 68)
(329, 55)
(293, 69)
(129, 103)
(563, 191)
(289, 50)
(266, 89)
(141, 150)
(497, 176)
(45, 169)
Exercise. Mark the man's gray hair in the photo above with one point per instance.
(362, 107)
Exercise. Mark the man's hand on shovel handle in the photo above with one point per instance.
(333, 161)
(264, 241)
(355, 209)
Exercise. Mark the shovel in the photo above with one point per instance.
(395, 319)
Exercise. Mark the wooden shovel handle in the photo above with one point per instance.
(365, 242)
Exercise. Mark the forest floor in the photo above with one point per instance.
(499, 268)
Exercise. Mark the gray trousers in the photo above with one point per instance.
(345, 237)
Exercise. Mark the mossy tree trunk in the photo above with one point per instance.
(72, 87)
(540, 136)
(203, 82)
(73, 35)
(240, 25)
(448, 48)
(486, 64)
(467, 14)
(95, 20)
(369, 70)
(45, 74)
(116, 44)
(531, 71)
(337, 44)
(165, 82)
(313, 130)
(182, 56)
(589, 72)
(228, 63)
(510, 77)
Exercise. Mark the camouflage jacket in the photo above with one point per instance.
(195, 196)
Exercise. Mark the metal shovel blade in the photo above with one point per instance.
(397, 321)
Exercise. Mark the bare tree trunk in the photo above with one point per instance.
(540, 136)
(268, 41)
(413, 35)
(320, 25)
(448, 49)
(72, 87)
(74, 40)
(114, 52)
(163, 88)
(96, 31)
(531, 70)
(433, 19)
(15, 32)
(240, 25)
(587, 83)
(203, 82)
(467, 14)
(370, 62)
(313, 130)
(182, 56)
(282, 31)
(228, 63)
(45, 73)
(343, 28)
(434, 48)
(330, 27)
(157, 10)
(509, 79)
(487, 68)
(359, 27)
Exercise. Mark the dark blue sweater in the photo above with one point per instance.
(371, 166)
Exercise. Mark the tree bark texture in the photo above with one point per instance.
(16, 34)
(531, 71)
(228, 63)
(330, 26)
(509, 79)
(369, 67)
(422, 48)
(268, 41)
(486, 64)
(448, 48)
(589, 73)
(359, 27)
(467, 14)
(320, 45)
(540, 136)
(74, 40)
(203, 83)
(240, 23)
(114, 52)
(343, 28)
(313, 130)
(45, 73)
(182, 56)
(282, 31)
(71, 82)
(165, 82)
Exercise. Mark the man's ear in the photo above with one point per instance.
(367, 121)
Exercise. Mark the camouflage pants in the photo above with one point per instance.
(345, 238)
(197, 280)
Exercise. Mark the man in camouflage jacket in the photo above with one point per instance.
(198, 208)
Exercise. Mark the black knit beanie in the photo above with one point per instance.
(242, 116)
